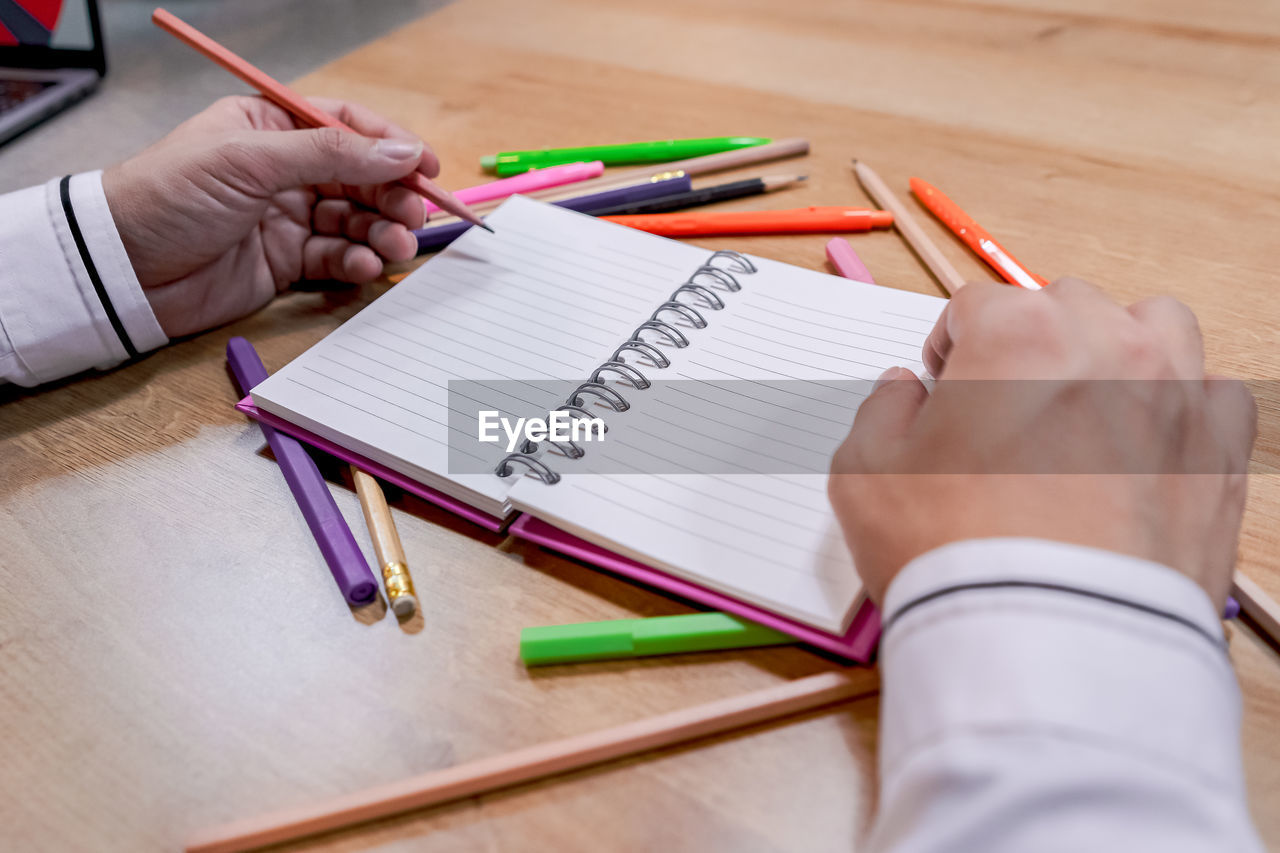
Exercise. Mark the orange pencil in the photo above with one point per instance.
(975, 236)
(301, 109)
(802, 220)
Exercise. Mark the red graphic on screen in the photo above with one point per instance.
(28, 22)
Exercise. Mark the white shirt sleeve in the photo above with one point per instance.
(1050, 697)
(69, 299)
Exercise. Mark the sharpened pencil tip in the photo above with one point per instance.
(487, 228)
(802, 177)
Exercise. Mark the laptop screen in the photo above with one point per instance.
(59, 24)
(50, 34)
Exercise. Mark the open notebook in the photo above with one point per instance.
(548, 298)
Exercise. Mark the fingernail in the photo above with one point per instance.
(399, 149)
(887, 376)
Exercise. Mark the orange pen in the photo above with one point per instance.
(975, 236)
(801, 220)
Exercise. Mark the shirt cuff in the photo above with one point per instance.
(71, 300)
(1027, 636)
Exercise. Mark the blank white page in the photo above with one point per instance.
(770, 539)
(548, 296)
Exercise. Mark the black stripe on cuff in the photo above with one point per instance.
(64, 190)
(1218, 642)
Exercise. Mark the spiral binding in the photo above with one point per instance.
(698, 286)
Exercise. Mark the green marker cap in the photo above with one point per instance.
(628, 638)
(488, 162)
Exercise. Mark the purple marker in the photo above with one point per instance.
(439, 236)
(338, 546)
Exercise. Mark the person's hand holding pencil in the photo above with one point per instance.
(240, 201)
(255, 194)
(1060, 415)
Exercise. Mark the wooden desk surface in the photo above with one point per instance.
(172, 651)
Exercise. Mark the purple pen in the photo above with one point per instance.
(439, 236)
(346, 562)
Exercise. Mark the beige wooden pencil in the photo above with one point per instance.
(548, 759)
(1261, 608)
(704, 165)
(386, 544)
(947, 276)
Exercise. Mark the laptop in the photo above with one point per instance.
(50, 57)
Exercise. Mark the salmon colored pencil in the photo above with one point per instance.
(301, 109)
(531, 763)
(975, 236)
(802, 220)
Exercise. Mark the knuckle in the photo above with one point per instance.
(236, 147)
(228, 103)
(239, 163)
(1239, 393)
(1021, 323)
(1238, 396)
(845, 461)
(1141, 352)
(1038, 315)
(1068, 283)
(333, 143)
(1179, 312)
(1167, 303)
(972, 299)
(1073, 287)
(1247, 401)
(986, 314)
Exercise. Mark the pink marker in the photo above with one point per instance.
(537, 179)
(846, 261)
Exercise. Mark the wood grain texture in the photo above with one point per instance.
(172, 650)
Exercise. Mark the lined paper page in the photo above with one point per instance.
(548, 296)
(770, 539)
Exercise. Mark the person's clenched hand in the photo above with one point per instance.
(1060, 415)
(239, 202)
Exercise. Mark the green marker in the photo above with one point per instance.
(632, 638)
(516, 162)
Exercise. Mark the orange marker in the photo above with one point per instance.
(802, 220)
(298, 106)
(975, 236)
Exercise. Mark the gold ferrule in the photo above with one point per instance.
(396, 576)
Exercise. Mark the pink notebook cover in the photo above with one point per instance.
(857, 643)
